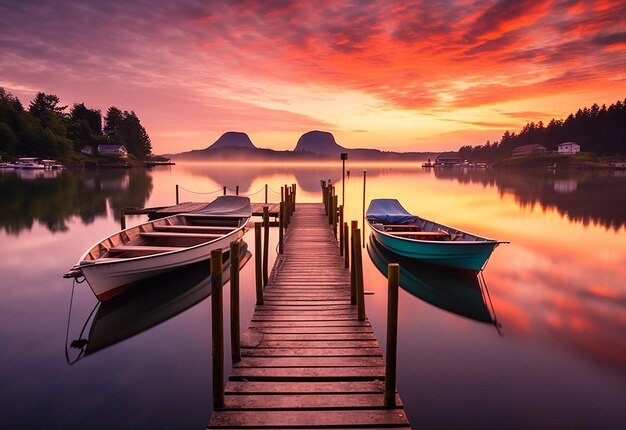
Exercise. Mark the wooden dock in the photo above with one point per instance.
(307, 360)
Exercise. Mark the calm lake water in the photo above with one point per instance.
(555, 357)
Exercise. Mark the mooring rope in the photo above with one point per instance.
(253, 194)
(198, 192)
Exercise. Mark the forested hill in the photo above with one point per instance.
(49, 130)
(598, 130)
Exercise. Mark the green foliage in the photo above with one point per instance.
(45, 130)
(598, 130)
(124, 128)
(45, 103)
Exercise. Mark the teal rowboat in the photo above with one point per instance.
(425, 240)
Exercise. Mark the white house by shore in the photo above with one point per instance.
(568, 148)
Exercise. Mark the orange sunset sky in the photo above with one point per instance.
(395, 75)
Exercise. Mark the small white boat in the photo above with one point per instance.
(52, 165)
(117, 262)
(29, 163)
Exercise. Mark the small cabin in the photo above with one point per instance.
(568, 148)
(534, 149)
(113, 149)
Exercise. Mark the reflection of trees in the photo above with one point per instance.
(591, 197)
(86, 195)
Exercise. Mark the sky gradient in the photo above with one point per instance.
(404, 75)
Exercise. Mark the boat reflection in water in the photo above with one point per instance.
(150, 303)
(461, 292)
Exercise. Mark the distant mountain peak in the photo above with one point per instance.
(320, 142)
(233, 139)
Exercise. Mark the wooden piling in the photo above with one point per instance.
(286, 208)
(258, 263)
(330, 205)
(335, 215)
(123, 218)
(393, 276)
(346, 246)
(265, 193)
(293, 198)
(176, 193)
(358, 270)
(341, 230)
(363, 213)
(224, 189)
(281, 227)
(236, 190)
(354, 225)
(235, 341)
(266, 241)
(217, 329)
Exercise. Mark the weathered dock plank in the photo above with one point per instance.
(306, 359)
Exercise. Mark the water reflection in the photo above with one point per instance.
(456, 291)
(150, 303)
(597, 197)
(53, 201)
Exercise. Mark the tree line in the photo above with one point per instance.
(598, 130)
(47, 129)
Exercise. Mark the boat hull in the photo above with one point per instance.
(110, 278)
(460, 255)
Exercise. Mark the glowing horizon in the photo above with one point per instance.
(413, 76)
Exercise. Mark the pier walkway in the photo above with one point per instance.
(307, 361)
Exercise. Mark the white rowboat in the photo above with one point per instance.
(116, 262)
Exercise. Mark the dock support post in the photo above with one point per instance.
(266, 242)
(293, 188)
(265, 193)
(287, 206)
(217, 329)
(335, 202)
(353, 225)
(123, 218)
(282, 194)
(236, 190)
(346, 246)
(257, 263)
(235, 340)
(393, 276)
(358, 270)
(331, 193)
(176, 193)
(281, 227)
(341, 230)
(224, 189)
(363, 213)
